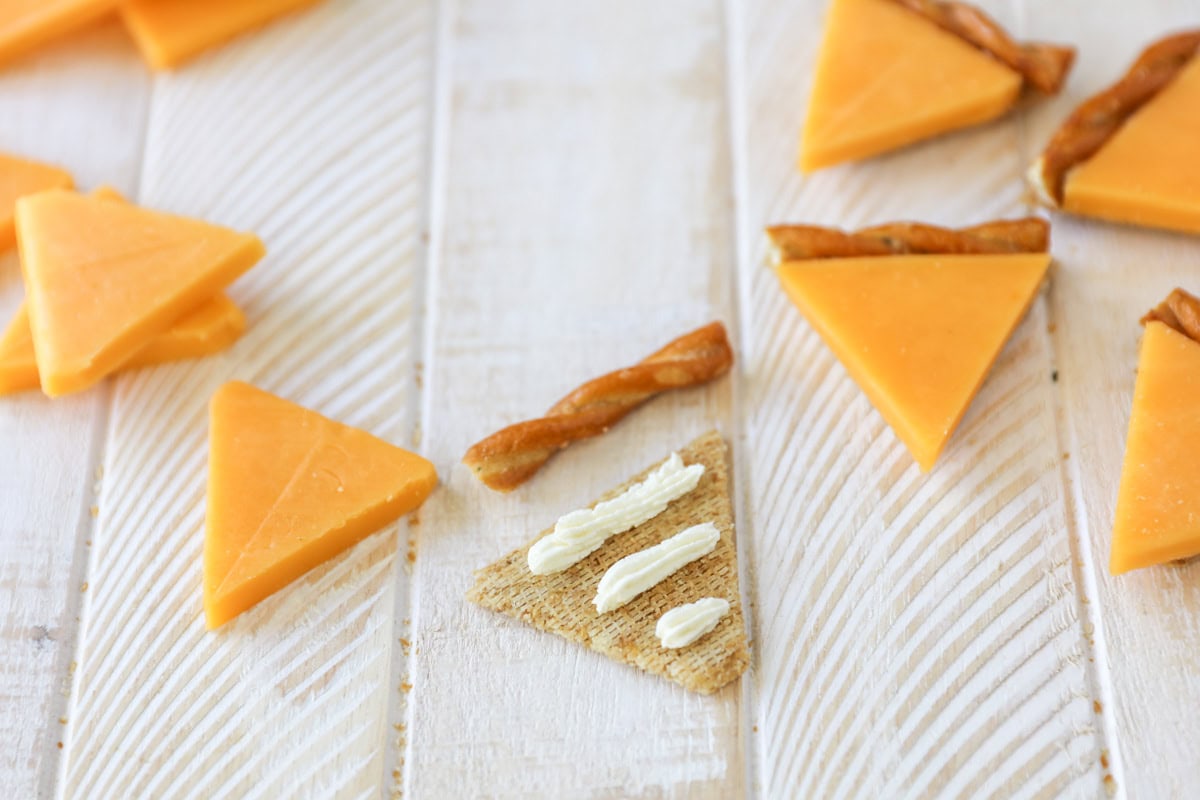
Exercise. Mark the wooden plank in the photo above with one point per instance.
(312, 134)
(92, 82)
(1148, 622)
(917, 635)
(584, 221)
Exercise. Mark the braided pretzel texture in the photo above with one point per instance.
(1043, 66)
(804, 242)
(508, 458)
(1093, 123)
(1181, 311)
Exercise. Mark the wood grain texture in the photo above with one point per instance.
(310, 133)
(49, 450)
(585, 222)
(917, 635)
(1108, 276)
(599, 177)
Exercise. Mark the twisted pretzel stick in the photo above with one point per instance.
(1043, 66)
(804, 242)
(1093, 123)
(508, 458)
(1181, 311)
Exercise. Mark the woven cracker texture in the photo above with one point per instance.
(561, 603)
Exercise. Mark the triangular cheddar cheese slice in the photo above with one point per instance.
(18, 365)
(887, 77)
(207, 330)
(26, 24)
(918, 333)
(561, 603)
(18, 178)
(169, 32)
(1148, 173)
(288, 490)
(1158, 506)
(211, 328)
(103, 279)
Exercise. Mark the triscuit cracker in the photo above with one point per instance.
(561, 603)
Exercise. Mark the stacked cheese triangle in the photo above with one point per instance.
(168, 32)
(110, 286)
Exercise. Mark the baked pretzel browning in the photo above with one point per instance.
(1094, 122)
(508, 458)
(1043, 66)
(804, 242)
(1181, 311)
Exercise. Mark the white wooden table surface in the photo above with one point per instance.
(471, 206)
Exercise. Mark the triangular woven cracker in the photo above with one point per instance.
(561, 603)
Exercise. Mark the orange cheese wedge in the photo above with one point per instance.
(169, 32)
(918, 333)
(18, 178)
(205, 331)
(103, 279)
(1158, 506)
(18, 365)
(288, 490)
(211, 328)
(26, 24)
(1148, 173)
(887, 77)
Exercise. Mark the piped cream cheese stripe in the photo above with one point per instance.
(637, 572)
(580, 533)
(684, 624)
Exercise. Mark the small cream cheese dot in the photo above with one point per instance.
(684, 624)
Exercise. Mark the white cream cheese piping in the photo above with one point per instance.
(684, 624)
(580, 533)
(640, 571)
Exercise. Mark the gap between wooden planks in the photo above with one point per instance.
(585, 223)
(313, 134)
(1151, 672)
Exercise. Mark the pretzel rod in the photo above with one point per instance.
(804, 242)
(1043, 66)
(1094, 122)
(1181, 311)
(508, 458)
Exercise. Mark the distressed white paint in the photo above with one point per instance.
(91, 82)
(312, 134)
(585, 222)
(913, 635)
(1148, 621)
(917, 634)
